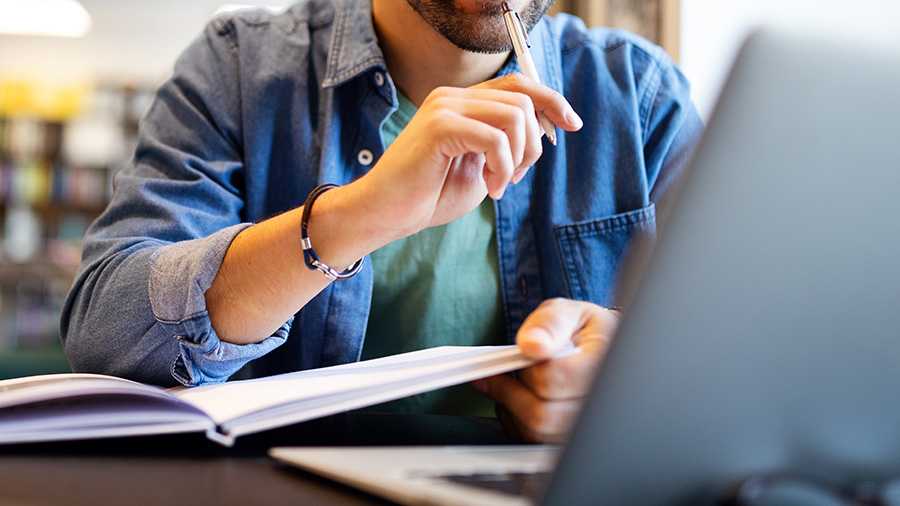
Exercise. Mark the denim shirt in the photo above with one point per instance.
(262, 108)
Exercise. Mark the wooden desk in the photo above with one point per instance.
(187, 470)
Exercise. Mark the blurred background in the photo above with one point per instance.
(77, 76)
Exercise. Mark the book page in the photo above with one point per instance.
(79, 406)
(317, 407)
(95, 417)
(53, 387)
(242, 398)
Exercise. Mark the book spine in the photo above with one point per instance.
(215, 436)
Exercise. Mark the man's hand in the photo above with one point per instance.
(462, 145)
(542, 402)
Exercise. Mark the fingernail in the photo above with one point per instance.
(537, 339)
(574, 119)
(537, 342)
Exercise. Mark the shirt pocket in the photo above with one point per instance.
(592, 252)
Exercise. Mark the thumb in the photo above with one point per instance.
(550, 328)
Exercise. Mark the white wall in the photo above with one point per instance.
(130, 40)
(713, 30)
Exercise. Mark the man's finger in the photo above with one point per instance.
(537, 420)
(533, 147)
(550, 328)
(559, 323)
(466, 135)
(565, 378)
(517, 429)
(510, 392)
(509, 118)
(546, 100)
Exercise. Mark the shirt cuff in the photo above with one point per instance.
(180, 275)
(204, 359)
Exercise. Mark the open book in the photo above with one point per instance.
(84, 406)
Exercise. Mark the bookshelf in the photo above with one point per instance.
(58, 155)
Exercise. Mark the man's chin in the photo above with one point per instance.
(488, 38)
(477, 25)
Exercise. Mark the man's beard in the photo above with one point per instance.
(482, 32)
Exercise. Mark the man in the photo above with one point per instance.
(195, 271)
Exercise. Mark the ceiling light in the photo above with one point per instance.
(56, 18)
(229, 8)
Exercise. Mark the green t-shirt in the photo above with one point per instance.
(438, 287)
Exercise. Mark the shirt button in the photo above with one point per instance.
(365, 158)
(379, 79)
(523, 287)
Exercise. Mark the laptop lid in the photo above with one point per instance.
(765, 334)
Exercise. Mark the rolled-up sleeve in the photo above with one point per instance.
(138, 308)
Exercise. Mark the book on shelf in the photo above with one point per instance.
(87, 406)
(43, 183)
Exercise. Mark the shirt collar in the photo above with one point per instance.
(354, 47)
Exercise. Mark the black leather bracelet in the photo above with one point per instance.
(310, 257)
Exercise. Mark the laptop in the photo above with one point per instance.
(763, 335)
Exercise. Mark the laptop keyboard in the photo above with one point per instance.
(516, 484)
